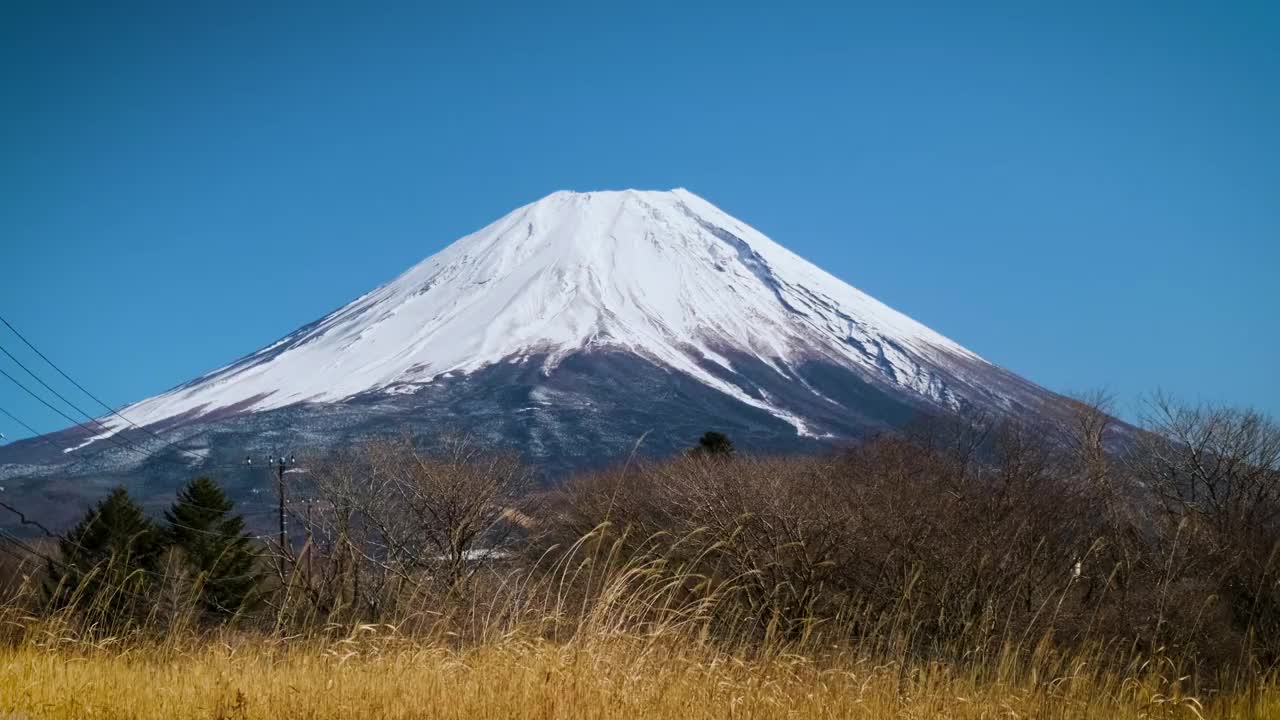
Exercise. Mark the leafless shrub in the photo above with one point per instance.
(925, 531)
(971, 535)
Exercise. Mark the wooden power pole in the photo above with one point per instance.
(280, 463)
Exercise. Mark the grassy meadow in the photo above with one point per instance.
(374, 674)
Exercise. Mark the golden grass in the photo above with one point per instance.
(628, 639)
(374, 674)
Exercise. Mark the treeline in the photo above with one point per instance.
(960, 540)
(118, 566)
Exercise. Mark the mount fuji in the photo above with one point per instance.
(566, 330)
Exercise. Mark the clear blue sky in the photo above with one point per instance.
(1088, 194)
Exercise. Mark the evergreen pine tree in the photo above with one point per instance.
(714, 444)
(215, 546)
(108, 559)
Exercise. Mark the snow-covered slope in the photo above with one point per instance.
(665, 276)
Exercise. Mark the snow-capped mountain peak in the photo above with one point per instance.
(663, 275)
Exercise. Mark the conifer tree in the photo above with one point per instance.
(108, 560)
(713, 444)
(215, 546)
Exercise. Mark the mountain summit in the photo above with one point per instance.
(573, 325)
(666, 276)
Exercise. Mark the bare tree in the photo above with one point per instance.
(1215, 475)
(1220, 465)
(393, 517)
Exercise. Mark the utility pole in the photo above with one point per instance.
(284, 538)
(281, 463)
(310, 540)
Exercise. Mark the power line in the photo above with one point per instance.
(36, 435)
(56, 394)
(122, 441)
(86, 457)
(116, 439)
(96, 399)
(27, 521)
(85, 390)
(146, 455)
(15, 418)
(54, 408)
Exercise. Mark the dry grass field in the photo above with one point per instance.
(374, 674)
(895, 580)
